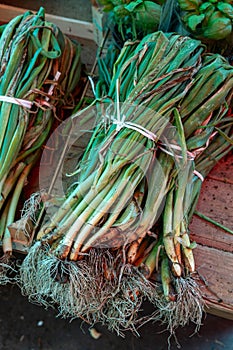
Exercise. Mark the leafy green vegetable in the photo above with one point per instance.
(210, 19)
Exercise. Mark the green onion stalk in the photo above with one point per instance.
(124, 219)
(39, 75)
(181, 300)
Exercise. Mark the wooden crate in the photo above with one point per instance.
(68, 26)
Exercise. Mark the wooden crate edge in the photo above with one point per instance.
(218, 309)
(69, 26)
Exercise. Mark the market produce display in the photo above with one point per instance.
(160, 120)
(39, 75)
(121, 236)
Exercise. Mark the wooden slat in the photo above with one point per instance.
(214, 252)
(75, 27)
(219, 309)
(224, 169)
(216, 202)
(215, 268)
(207, 234)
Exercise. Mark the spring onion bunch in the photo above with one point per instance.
(39, 74)
(121, 234)
(203, 124)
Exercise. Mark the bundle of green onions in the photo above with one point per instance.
(40, 70)
(121, 235)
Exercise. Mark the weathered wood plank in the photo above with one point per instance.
(216, 202)
(216, 278)
(224, 169)
(69, 26)
(207, 234)
(214, 252)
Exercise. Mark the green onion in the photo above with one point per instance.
(137, 185)
(39, 72)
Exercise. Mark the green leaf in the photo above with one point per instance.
(189, 5)
(120, 11)
(194, 21)
(226, 137)
(193, 245)
(148, 16)
(209, 10)
(218, 27)
(226, 9)
(208, 219)
(181, 135)
(206, 6)
(133, 5)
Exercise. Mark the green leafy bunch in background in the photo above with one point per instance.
(210, 19)
(133, 19)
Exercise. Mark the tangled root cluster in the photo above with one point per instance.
(98, 288)
(187, 308)
(7, 270)
(49, 281)
(102, 288)
(121, 289)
